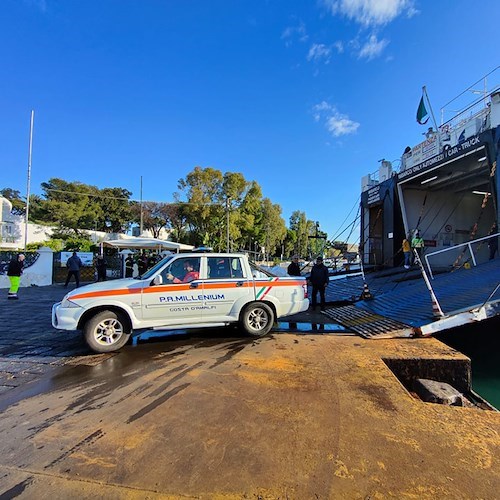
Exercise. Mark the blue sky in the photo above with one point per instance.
(303, 97)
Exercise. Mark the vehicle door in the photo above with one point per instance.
(226, 287)
(175, 293)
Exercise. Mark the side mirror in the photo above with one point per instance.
(158, 280)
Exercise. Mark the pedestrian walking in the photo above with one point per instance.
(74, 264)
(14, 272)
(406, 247)
(101, 266)
(294, 268)
(319, 281)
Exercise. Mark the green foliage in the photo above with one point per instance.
(214, 201)
(155, 216)
(78, 244)
(273, 225)
(14, 196)
(208, 204)
(56, 244)
(74, 206)
(33, 247)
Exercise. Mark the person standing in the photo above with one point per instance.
(319, 281)
(100, 266)
(294, 268)
(406, 247)
(493, 241)
(14, 272)
(74, 264)
(129, 266)
(142, 264)
(418, 243)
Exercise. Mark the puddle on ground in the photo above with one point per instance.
(309, 327)
(158, 335)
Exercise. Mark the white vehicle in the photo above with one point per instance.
(182, 291)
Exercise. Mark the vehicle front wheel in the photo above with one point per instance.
(107, 331)
(257, 319)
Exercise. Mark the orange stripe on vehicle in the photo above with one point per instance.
(106, 293)
(266, 285)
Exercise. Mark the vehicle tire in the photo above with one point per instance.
(257, 319)
(106, 331)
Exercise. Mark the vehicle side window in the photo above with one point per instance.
(182, 270)
(219, 267)
(236, 270)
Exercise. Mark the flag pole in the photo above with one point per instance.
(424, 92)
(28, 183)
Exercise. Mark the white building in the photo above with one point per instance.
(13, 229)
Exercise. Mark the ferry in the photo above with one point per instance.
(446, 187)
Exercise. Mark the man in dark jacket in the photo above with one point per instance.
(14, 272)
(294, 268)
(100, 266)
(319, 281)
(74, 264)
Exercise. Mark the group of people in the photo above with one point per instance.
(143, 262)
(417, 243)
(318, 279)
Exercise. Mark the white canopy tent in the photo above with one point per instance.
(148, 244)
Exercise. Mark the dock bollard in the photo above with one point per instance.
(366, 294)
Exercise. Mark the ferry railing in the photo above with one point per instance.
(462, 102)
(460, 249)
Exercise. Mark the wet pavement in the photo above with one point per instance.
(30, 347)
(309, 414)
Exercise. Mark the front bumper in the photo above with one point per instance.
(65, 318)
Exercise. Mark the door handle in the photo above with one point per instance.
(193, 285)
(239, 283)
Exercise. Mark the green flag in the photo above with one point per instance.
(422, 115)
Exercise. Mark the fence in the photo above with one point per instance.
(88, 272)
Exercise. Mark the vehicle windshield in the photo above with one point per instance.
(259, 272)
(151, 272)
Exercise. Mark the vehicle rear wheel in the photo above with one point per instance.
(257, 319)
(106, 331)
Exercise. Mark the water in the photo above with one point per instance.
(481, 343)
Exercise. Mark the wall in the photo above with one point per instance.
(39, 274)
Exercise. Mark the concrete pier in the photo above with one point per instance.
(292, 415)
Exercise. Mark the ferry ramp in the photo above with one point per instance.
(402, 305)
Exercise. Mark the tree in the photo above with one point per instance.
(299, 224)
(155, 216)
(216, 202)
(74, 206)
(273, 225)
(248, 218)
(204, 208)
(14, 196)
(116, 209)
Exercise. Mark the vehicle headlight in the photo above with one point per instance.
(68, 304)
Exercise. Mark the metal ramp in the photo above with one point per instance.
(368, 324)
